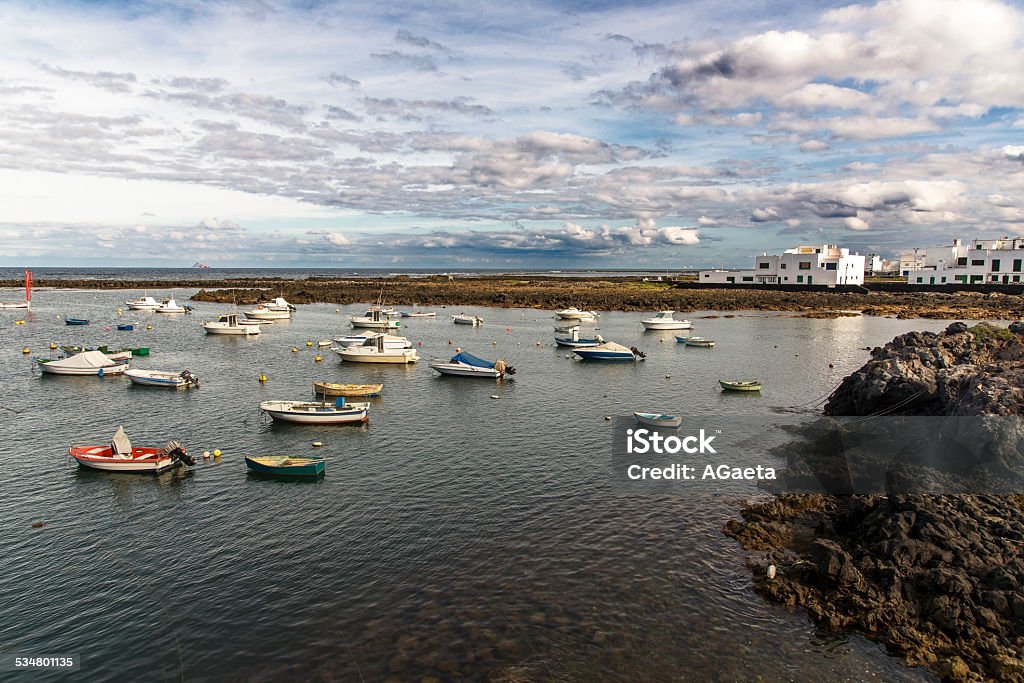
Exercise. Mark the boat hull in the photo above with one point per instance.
(147, 378)
(739, 386)
(462, 370)
(238, 330)
(279, 467)
(577, 343)
(326, 415)
(268, 315)
(667, 325)
(11, 305)
(419, 315)
(374, 324)
(697, 343)
(655, 420)
(115, 369)
(356, 355)
(347, 390)
(75, 321)
(143, 460)
(588, 354)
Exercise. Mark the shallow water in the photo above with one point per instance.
(452, 534)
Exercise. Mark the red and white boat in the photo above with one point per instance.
(120, 456)
(27, 303)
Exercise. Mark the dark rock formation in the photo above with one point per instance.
(938, 579)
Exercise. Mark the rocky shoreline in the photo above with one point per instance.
(607, 294)
(939, 579)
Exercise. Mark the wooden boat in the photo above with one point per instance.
(467, 365)
(121, 456)
(573, 313)
(27, 303)
(349, 390)
(740, 385)
(664, 320)
(172, 306)
(287, 466)
(700, 342)
(161, 378)
(228, 324)
(657, 420)
(75, 321)
(574, 340)
(146, 303)
(316, 412)
(610, 351)
(463, 319)
(93, 363)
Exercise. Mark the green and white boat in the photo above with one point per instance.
(740, 385)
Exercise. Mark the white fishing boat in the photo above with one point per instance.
(279, 304)
(162, 378)
(117, 356)
(372, 354)
(146, 303)
(316, 412)
(27, 303)
(171, 306)
(658, 420)
(573, 313)
(375, 319)
(324, 342)
(229, 324)
(467, 365)
(419, 314)
(699, 342)
(610, 351)
(261, 312)
(575, 341)
(463, 319)
(388, 312)
(86, 363)
(664, 320)
(369, 337)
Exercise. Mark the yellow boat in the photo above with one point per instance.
(351, 390)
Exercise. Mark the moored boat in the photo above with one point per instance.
(610, 351)
(467, 365)
(463, 319)
(285, 465)
(27, 303)
(118, 356)
(121, 456)
(375, 319)
(316, 412)
(229, 324)
(86, 363)
(172, 306)
(573, 313)
(419, 314)
(146, 303)
(75, 321)
(696, 341)
(262, 312)
(162, 378)
(349, 390)
(127, 327)
(375, 354)
(664, 320)
(575, 341)
(279, 304)
(658, 420)
(740, 385)
(370, 338)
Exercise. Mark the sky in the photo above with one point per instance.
(558, 134)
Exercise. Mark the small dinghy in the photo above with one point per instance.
(285, 465)
(575, 341)
(740, 385)
(573, 313)
(350, 390)
(75, 321)
(657, 420)
(126, 328)
(121, 456)
(324, 342)
(467, 365)
(262, 312)
(93, 363)
(229, 324)
(610, 351)
(161, 378)
(419, 314)
(463, 319)
(316, 412)
(699, 342)
(375, 319)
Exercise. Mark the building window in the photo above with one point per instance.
(977, 278)
(805, 265)
(782, 266)
(764, 265)
(994, 278)
(943, 279)
(730, 279)
(831, 266)
(1016, 278)
(799, 278)
(995, 265)
(748, 278)
(920, 279)
(977, 261)
(962, 261)
(960, 278)
(1016, 265)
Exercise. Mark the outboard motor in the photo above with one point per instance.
(510, 370)
(637, 352)
(178, 453)
(189, 376)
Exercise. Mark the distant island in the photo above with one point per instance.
(197, 264)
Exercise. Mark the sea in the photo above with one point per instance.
(469, 525)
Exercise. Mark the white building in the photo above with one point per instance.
(826, 264)
(998, 261)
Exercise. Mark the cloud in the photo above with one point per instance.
(406, 60)
(404, 36)
(854, 223)
(813, 146)
(341, 79)
(764, 215)
(706, 221)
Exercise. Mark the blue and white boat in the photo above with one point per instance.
(160, 378)
(467, 365)
(574, 340)
(610, 351)
(658, 420)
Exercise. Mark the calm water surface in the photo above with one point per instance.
(452, 534)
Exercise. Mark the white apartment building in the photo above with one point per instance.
(999, 261)
(824, 264)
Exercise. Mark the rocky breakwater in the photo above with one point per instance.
(938, 578)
